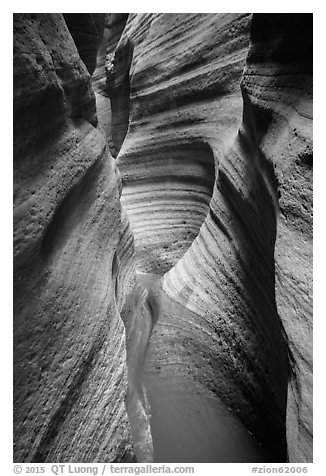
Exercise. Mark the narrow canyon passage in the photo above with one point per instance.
(187, 424)
(180, 374)
(162, 237)
(201, 375)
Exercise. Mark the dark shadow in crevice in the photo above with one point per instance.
(255, 240)
(118, 86)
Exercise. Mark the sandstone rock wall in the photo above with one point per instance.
(278, 81)
(184, 76)
(113, 28)
(69, 341)
(86, 30)
(212, 130)
(212, 174)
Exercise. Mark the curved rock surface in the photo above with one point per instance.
(86, 30)
(113, 28)
(201, 273)
(217, 187)
(278, 80)
(69, 360)
(177, 95)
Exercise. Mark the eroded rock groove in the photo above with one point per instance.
(162, 237)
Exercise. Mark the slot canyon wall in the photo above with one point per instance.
(217, 172)
(209, 117)
(70, 374)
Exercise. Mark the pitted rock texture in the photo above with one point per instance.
(212, 129)
(70, 377)
(241, 314)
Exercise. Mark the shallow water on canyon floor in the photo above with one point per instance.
(191, 427)
(188, 424)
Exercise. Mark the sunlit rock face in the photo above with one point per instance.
(213, 135)
(70, 376)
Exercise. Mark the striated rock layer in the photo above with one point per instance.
(212, 128)
(70, 376)
(217, 187)
(185, 69)
(278, 81)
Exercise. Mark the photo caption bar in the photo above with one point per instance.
(198, 469)
(101, 469)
